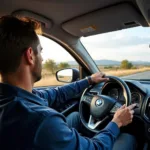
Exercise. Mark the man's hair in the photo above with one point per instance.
(16, 36)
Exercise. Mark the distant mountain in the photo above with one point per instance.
(100, 62)
(105, 62)
(72, 62)
(140, 62)
(113, 62)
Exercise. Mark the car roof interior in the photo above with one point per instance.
(80, 17)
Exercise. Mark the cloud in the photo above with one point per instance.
(116, 42)
(123, 38)
(131, 53)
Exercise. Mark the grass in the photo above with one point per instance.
(48, 81)
(121, 73)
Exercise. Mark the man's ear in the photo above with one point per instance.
(29, 56)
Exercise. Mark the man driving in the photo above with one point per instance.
(28, 119)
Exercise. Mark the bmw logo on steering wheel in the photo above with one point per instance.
(98, 102)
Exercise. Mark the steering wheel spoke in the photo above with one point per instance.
(93, 123)
(87, 99)
(115, 107)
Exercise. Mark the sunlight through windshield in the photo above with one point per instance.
(124, 53)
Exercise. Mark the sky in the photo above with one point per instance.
(132, 44)
(52, 50)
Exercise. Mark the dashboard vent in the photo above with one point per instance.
(147, 109)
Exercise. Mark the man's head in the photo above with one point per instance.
(19, 43)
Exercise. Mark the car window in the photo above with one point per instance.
(55, 58)
(124, 53)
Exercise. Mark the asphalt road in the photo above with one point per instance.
(143, 75)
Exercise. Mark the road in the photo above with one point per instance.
(142, 75)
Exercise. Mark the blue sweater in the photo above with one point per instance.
(28, 121)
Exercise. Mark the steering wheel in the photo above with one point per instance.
(101, 106)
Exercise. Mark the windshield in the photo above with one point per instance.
(124, 53)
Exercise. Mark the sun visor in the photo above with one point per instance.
(105, 20)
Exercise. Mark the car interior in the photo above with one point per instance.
(65, 22)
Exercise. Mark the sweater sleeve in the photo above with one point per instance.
(54, 134)
(61, 94)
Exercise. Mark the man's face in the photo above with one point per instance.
(37, 69)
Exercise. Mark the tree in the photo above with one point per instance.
(63, 65)
(50, 65)
(130, 65)
(125, 64)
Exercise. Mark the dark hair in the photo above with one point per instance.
(16, 36)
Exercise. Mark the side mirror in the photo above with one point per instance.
(67, 75)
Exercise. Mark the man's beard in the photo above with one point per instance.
(38, 78)
(37, 71)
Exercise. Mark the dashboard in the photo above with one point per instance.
(138, 90)
(114, 90)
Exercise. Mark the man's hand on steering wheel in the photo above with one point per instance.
(98, 77)
(124, 115)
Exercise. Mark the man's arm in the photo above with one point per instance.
(54, 134)
(61, 94)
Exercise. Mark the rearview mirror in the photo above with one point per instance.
(67, 75)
